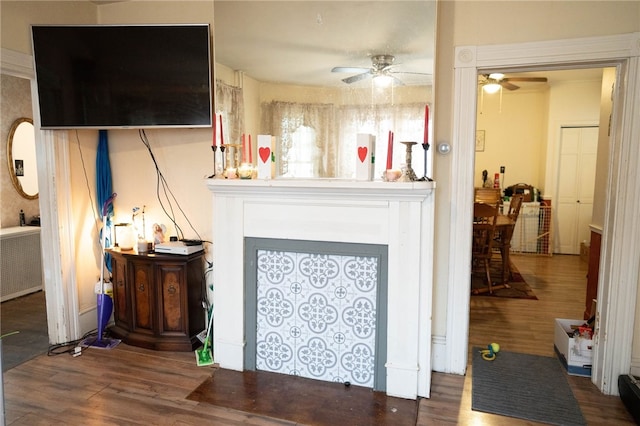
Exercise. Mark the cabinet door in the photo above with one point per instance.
(142, 293)
(173, 315)
(120, 315)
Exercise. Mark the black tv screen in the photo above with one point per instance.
(123, 76)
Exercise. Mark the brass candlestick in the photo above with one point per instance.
(233, 160)
(408, 175)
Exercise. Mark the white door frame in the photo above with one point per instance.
(56, 230)
(619, 270)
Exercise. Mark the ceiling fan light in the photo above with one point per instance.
(491, 87)
(383, 80)
(496, 76)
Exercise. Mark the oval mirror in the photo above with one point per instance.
(21, 158)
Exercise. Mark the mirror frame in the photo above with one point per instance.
(14, 179)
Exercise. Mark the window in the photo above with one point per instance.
(304, 155)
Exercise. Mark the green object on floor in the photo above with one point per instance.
(204, 355)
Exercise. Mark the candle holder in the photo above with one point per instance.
(408, 175)
(214, 149)
(245, 171)
(223, 148)
(233, 161)
(391, 175)
(425, 148)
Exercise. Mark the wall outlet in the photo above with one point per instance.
(501, 169)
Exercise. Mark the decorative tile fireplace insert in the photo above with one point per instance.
(317, 310)
(396, 215)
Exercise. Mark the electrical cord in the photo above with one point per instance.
(161, 183)
(70, 347)
(162, 188)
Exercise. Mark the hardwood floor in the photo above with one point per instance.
(521, 325)
(26, 315)
(129, 385)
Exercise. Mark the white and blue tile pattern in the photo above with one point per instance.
(316, 315)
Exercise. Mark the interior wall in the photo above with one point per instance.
(571, 103)
(515, 136)
(522, 130)
(18, 16)
(15, 99)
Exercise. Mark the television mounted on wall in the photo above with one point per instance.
(123, 76)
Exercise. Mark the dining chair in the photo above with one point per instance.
(488, 196)
(514, 206)
(484, 228)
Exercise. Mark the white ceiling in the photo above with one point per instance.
(299, 42)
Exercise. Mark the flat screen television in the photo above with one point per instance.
(123, 76)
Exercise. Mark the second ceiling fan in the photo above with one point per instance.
(491, 83)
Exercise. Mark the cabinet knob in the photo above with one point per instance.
(140, 287)
(171, 289)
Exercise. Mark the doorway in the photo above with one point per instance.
(617, 298)
(516, 148)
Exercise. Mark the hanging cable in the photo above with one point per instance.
(162, 188)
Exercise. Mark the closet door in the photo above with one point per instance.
(576, 181)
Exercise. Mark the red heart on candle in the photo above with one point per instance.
(362, 153)
(265, 153)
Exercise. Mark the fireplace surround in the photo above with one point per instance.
(399, 215)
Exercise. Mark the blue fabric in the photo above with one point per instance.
(104, 190)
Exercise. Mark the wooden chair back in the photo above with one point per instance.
(484, 226)
(514, 207)
(488, 196)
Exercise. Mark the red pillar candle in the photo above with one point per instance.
(426, 125)
(390, 151)
(221, 133)
(250, 151)
(215, 126)
(244, 149)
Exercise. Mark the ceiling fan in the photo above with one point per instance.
(381, 66)
(491, 83)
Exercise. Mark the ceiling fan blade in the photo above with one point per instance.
(349, 69)
(529, 79)
(357, 77)
(409, 72)
(508, 85)
(397, 81)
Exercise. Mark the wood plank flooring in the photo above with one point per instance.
(134, 386)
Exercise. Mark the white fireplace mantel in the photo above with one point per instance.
(399, 215)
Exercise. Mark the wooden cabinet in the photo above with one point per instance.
(592, 274)
(158, 299)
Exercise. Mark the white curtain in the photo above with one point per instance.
(230, 103)
(282, 119)
(336, 133)
(405, 121)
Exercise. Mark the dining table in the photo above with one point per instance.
(505, 225)
(504, 231)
